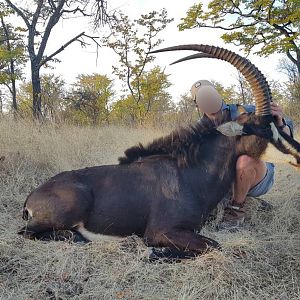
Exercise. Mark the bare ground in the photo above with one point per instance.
(260, 262)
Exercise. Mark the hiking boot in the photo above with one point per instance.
(234, 217)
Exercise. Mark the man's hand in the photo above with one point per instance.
(277, 114)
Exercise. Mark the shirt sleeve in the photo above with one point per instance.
(249, 108)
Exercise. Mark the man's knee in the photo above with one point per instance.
(245, 162)
(252, 168)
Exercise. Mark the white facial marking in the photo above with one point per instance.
(275, 132)
(91, 236)
(284, 142)
(230, 129)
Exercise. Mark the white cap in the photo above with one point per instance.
(206, 96)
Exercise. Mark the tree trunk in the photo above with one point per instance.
(295, 60)
(1, 104)
(36, 92)
(13, 87)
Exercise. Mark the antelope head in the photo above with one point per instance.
(261, 123)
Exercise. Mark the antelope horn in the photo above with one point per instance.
(197, 55)
(259, 85)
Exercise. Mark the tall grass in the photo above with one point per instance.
(261, 261)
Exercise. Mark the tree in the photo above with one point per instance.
(272, 24)
(52, 96)
(11, 55)
(289, 69)
(39, 23)
(24, 98)
(186, 110)
(154, 103)
(131, 41)
(291, 89)
(227, 93)
(89, 101)
(123, 111)
(243, 90)
(1, 103)
(155, 100)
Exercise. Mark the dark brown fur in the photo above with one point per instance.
(183, 145)
(161, 192)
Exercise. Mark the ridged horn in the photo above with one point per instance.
(197, 55)
(259, 85)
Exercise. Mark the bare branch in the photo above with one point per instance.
(289, 55)
(52, 21)
(19, 12)
(50, 57)
(235, 6)
(102, 16)
(63, 47)
(52, 4)
(8, 86)
(93, 38)
(240, 13)
(228, 28)
(75, 10)
(287, 34)
(270, 10)
(36, 14)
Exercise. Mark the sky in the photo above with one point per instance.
(76, 60)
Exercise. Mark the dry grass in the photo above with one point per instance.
(261, 262)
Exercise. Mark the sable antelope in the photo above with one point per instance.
(161, 192)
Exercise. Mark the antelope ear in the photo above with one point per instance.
(231, 128)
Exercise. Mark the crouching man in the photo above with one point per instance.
(253, 177)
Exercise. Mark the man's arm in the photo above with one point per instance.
(285, 124)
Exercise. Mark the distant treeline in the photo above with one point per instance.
(267, 26)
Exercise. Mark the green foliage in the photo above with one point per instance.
(186, 112)
(6, 57)
(11, 49)
(39, 18)
(24, 97)
(227, 93)
(52, 95)
(273, 25)
(131, 41)
(90, 99)
(155, 101)
(124, 111)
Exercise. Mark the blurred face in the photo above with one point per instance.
(208, 100)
